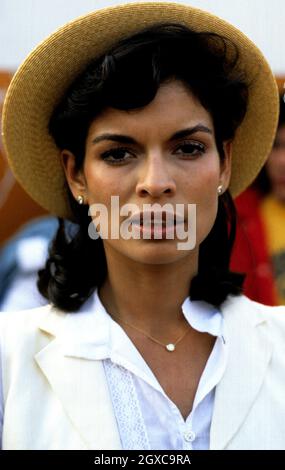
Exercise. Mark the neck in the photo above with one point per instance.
(148, 296)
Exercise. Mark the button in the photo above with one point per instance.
(189, 436)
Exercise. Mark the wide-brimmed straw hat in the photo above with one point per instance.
(50, 68)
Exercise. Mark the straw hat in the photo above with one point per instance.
(46, 73)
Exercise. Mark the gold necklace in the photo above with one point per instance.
(169, 347)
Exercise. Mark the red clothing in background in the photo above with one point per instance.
(250, 254)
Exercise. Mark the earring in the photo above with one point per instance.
(80, 199)
(220, 189)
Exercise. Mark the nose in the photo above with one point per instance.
(155, 178)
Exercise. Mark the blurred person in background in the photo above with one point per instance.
(259, 249)
(20, 259)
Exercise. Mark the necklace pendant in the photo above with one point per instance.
(170, 347)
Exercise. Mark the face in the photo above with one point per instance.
(276, 165)
(164, 153)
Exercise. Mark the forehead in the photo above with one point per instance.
(173, 106)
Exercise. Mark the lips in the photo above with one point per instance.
(153, 219)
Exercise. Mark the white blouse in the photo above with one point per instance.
(147, 418)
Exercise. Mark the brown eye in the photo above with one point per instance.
(191, 148)
(115, 156)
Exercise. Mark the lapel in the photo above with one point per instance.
(78, 380)
(250, 350)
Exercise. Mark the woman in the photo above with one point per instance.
(259, 249)
(144, 345)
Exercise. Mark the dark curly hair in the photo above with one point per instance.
(128, 77)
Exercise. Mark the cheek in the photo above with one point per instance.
(206, 216)
(204, 195)
(202, 183)
(102, 184)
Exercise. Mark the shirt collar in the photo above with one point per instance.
(203, 316)
(93, 327)
(91, 333)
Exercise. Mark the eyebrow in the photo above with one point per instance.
(125, 139)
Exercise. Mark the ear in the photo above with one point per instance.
(75, 178)
(226, 165)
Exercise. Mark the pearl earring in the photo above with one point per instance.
(80, 199)
(220, 189)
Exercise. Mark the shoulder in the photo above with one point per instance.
(21, 329)
(244, 305)
(25, 319)
(242, 311)
(274, 317)
(23, 315)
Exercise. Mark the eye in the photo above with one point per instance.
(115, 156)
(194, 149)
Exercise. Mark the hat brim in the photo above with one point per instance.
(46, 73)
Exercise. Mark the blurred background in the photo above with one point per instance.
(24, 23)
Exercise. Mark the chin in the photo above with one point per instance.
(158, 252)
